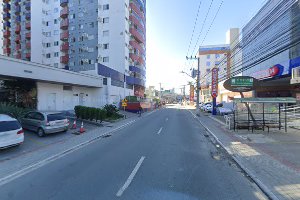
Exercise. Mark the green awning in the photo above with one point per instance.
(266, 100)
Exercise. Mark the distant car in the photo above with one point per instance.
(45, 122)
(207, 107)
(11, 132)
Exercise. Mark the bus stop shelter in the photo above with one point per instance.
(261, 113)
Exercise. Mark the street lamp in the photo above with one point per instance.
(198, 78)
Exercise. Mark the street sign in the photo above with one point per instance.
(241, 84)
(124, 104)
(214, 82)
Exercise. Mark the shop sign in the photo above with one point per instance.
(214, 82)
(276, 70)
(192, 93)
(241, 84)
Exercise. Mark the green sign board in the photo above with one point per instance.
(241, 84)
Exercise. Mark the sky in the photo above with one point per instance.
(169, 30)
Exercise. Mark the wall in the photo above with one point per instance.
(68, 98)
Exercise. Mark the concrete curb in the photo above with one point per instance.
(258, 182)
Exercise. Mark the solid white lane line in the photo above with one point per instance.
(131, 176)
(159, 131)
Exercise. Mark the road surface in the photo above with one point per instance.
(163, 156)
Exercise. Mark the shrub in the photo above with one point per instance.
(110, 110)
(13, 111)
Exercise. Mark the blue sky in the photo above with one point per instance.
(169, 29)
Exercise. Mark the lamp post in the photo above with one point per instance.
(198, 78)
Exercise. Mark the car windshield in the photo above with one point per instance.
(55, 117)
(9, 126)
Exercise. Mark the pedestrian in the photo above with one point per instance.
(140, 110)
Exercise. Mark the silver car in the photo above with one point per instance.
(45, 122)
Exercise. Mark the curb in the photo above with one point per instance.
(258, 182)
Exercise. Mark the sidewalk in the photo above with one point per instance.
(271, 159)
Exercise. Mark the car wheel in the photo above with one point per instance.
(41, 132)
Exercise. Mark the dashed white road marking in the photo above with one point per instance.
(159, 131)
(130, 178)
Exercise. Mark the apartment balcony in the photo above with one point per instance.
(6, 34)
(7, 51)
(18, 56)
(6, 42)
(27, 16)
(18, 39)
(17, 2)
(6, 16)
(28, 45)
(6, 7)
(18, 47)
(64, 36)
(64, 24)
(134, 44)
(64, 12)
(138, 36)
(134, 57)
(28, 56)
(28, 26)
(137, 22)
(64, 47)
(18, 29)
(28, 36)
(18, 18)
(64, 59)
(64, 3)
(27, 6)
(6, 25)
(18, 10)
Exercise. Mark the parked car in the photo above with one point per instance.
(11, 132)
(207, 107)
(45, 122)
(224, 111)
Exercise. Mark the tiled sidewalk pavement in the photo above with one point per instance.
(11, 166)
(278, 177)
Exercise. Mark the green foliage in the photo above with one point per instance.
(98, 114)
(132, 99)
(110, 110)
(12, 110)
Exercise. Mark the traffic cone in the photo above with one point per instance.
(74, 125)
(82, 130)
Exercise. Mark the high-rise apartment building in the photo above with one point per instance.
(94, 36)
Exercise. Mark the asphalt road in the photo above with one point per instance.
(163, 156)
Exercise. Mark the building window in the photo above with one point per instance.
(56, 32)
(217, 55)
(56, 54)
(106, 20)
(106, 7)
(105, 46)
(104, 81)
(56, 43)
(48, 55)
(56, 65)
(208, 64)
(208, 56)
(55, 21)
(105, 59)
(105, 33)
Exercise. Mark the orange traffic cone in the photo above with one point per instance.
(82, 130)
(74, 125)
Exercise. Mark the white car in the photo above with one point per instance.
(11, 132)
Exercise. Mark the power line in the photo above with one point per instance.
(196, 20)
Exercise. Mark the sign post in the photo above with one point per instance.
(214, 89)
(124, 103)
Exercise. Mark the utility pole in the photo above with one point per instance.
(198, 78)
